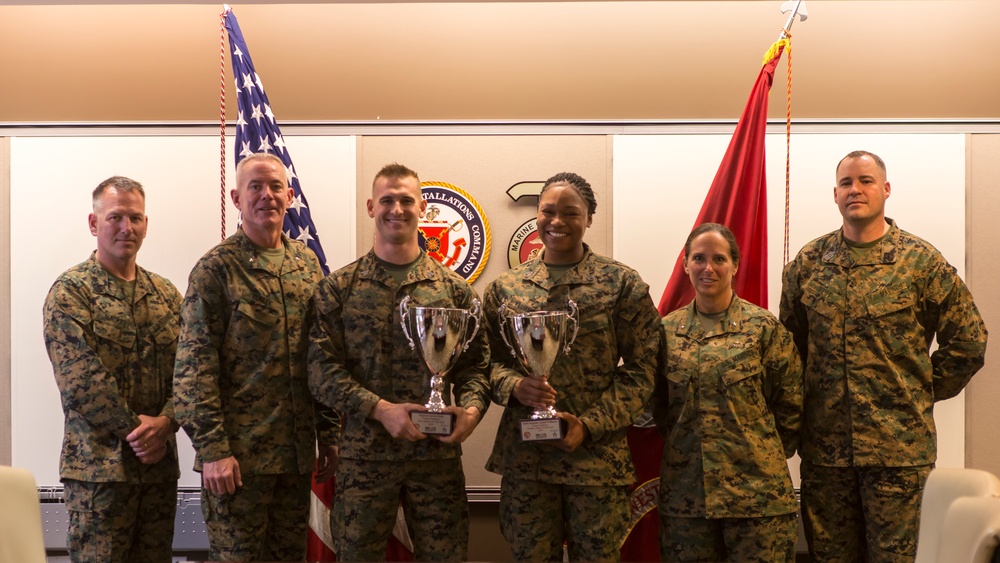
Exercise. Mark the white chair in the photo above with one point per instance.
(943, 487)
(20, 518)
(971, 531)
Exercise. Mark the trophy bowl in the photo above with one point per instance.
(537, 339)
(440, 335)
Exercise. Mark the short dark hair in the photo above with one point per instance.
(858, 154)
(120, 183)
(734, 249)
(395, 170)
(576, 182)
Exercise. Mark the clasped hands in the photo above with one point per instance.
(149, 439)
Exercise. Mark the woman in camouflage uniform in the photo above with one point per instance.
(575, 488)
(728, 405)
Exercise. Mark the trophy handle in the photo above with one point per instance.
(477, 315)
(403, 316)
(502, 320)
(574, 315)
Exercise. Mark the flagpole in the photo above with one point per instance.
(799, 10)
(786, 38)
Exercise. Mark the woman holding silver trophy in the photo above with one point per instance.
(728, 405)
(574, 339)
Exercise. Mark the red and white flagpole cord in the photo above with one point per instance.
(774, 51)
(222, 117)
(788, 142)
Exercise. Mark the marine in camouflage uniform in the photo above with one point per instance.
(548, 493)
(729, 408)
(241, 391)
(361, 363)
(359, 355)
(112, 345)
(863, 317)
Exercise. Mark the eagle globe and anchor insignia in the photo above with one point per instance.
(454, 230)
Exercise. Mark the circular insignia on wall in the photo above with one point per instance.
(524, 244)
(454, 230)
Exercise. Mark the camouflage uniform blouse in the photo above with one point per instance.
(240, 379)
(729, 407)
(618, 321)
(358, 354)
(864, 329)
(112, 361)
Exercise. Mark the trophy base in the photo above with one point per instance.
(539, 430)
(433, 423)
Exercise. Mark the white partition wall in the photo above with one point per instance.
(659, 183)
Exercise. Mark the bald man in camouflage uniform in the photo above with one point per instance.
(111, 333)
(240, 385)
(864, 304)
(575, 488)
(361, 364)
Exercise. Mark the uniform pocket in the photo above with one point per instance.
(594, 348)
(680, 376)
(893, 319)
(253, 325)
(742, 383)
(815, 300)
(166, 333)
(113, 331)
(79, 496)
(262, 313)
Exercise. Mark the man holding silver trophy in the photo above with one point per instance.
(395, 337)
(579, 333)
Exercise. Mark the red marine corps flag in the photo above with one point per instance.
(737, 199)
(257, 131)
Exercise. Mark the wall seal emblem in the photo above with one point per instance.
(454, 230)
(524, 244)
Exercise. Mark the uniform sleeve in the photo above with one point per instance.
(470, 384)
(639, 335)
(791, 311)
(783, 385)
(503, 376)
(327, 419)
(660, 401)
(330, 380)
(174, 301)
(198, 367)
(961, 333)
(85, 386)
(327, 425)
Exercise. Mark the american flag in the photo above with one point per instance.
(257, 131)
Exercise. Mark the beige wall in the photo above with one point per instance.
(983, 272)
(5, 379)
(409, 61)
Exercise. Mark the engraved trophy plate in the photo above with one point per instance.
(440, 335)
(533, 430)
(539, 339)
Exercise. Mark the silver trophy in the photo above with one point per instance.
(443, 334)
(540, 338)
